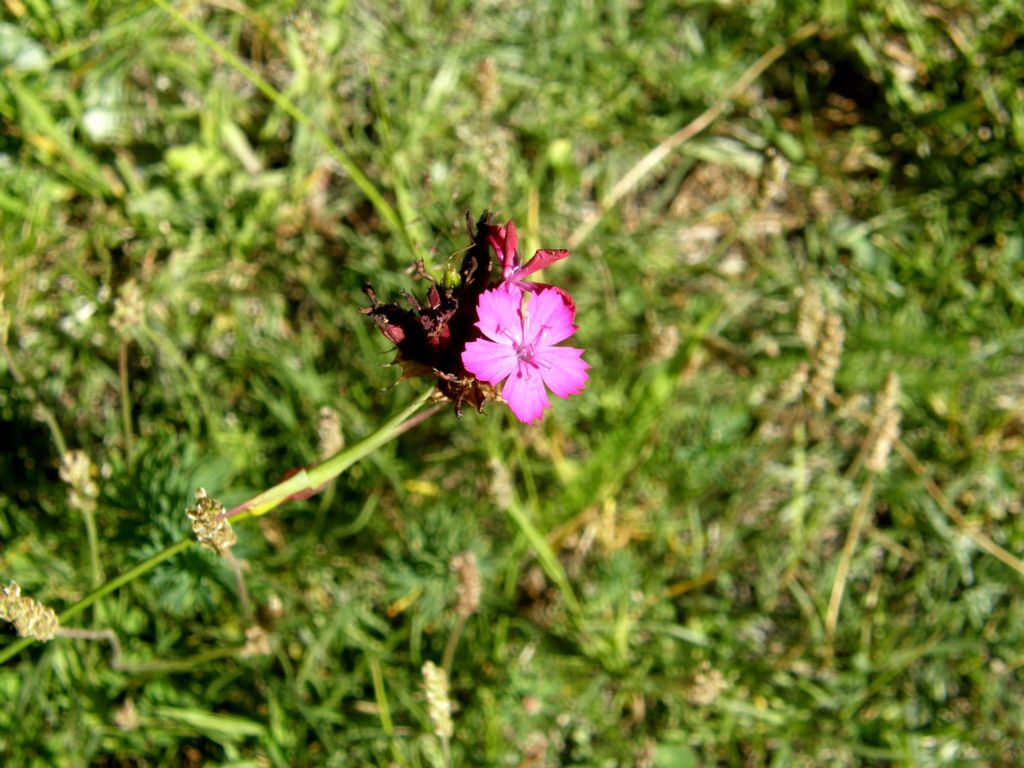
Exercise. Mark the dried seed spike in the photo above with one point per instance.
(126, 717)
(129, 309)
(887, 425)
(792, 389)
(502, 487)
(889, 395)
(707, 683)
(328, 432)
(468, 591)
(29, 617)
(77, 470)
(487, 85)
(439, 706)
(810, 316)
(826, 361)
(257, 642)
(212, 530)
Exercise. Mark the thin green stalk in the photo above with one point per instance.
(386, 211)
(92, 539)
(369, 507)
(147, 667)
(126, 406)
(97, 594)
(798, 506)
(316, 476)
(127, 577)
(448, 660)
(383, 708)
(259, 505)
(843, 569)
(170, 666)
(532, 497)
(546, 557)
(538, 541)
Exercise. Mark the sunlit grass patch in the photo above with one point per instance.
(780, 525)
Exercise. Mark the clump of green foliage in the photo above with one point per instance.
(707, 558)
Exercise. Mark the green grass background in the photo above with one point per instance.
(658, 556)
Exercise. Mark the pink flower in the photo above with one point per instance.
(505, 243)
(519, 349)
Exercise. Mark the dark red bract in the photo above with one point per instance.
(431, 335)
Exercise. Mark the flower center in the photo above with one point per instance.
(524, 353)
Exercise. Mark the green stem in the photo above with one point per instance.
(171, 666)
(522, 516)
(92, 539)
(369, 507)
(126, 405)
(383, 708)
(313, 478)
(453, 642)
(546, 557)
(306, 480)
(386, 211)
(97, 594)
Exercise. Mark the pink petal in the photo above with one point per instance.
(489, 361)
(496, 239)
(563, 370)
(505, 241)
(525, 394)
(496, 234)
(547, 318)
(541, 259)
(499, 318)
(514, 288)
(511, 242)
(532, 287)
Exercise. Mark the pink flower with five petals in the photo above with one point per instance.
(519, 349)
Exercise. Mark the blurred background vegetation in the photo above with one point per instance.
(709, 557)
